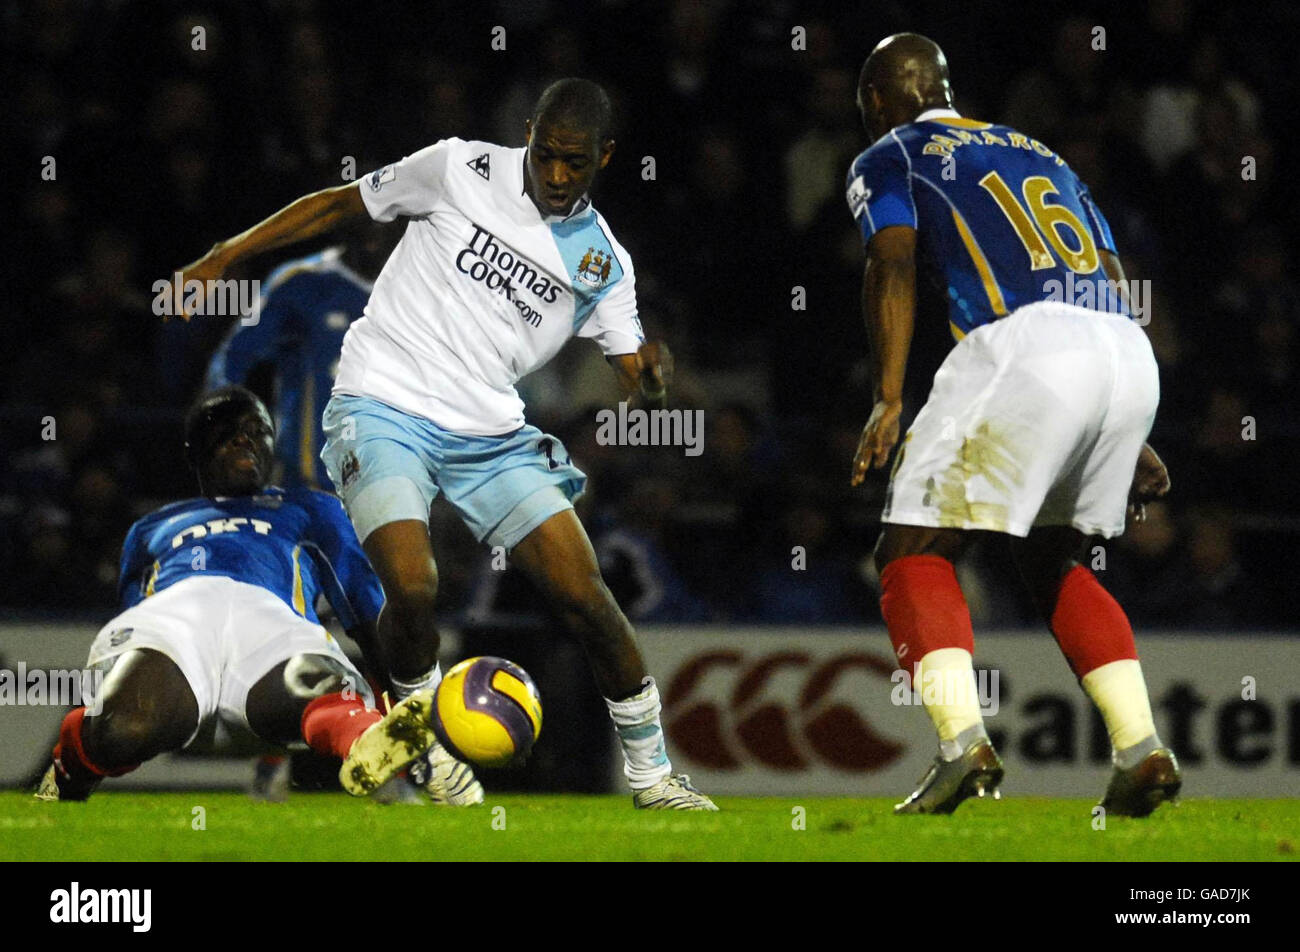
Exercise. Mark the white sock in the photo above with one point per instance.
(946, 680)
(1120, 693)
(428, 681)
(645, 759)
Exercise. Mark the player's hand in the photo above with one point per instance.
(208, 268)
(878, 439)
(654, 367)
(1150, 481)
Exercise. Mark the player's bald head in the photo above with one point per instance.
(905, 75)
(568, 143)
(575, 104)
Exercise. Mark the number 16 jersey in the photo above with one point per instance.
(1001, 214)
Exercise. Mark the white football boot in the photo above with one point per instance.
(444, 779)
(674, 792)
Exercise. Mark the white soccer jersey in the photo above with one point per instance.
(481, 290)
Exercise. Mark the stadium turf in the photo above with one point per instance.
(161, 826)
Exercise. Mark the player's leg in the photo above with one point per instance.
(1097, 640)
(558, 557)
(285, 678)
(278, 700)
(402, 556)
(317, 698)
(145, 707)
(382, 462)
(275, 715)
(517, 492)
(1015, 405)
(930, 628)
(1089, 497)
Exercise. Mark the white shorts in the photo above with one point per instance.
(1034, 420)
(224, 635)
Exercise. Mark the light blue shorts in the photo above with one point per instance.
(389, 465)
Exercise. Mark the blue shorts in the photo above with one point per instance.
(389, 465)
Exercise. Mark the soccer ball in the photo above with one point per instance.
(487, 711)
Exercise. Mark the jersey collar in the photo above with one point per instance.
(937, 114)
(580, 209)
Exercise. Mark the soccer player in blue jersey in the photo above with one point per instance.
(217, 621)
(504, 259)
(306, 308)
(1036, 424)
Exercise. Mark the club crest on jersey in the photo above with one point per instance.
(379, 176)
(482, 165)
(593, 270)
(858, 195)
(351, 469)
(119, 636)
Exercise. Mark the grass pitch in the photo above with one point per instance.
(229, 826)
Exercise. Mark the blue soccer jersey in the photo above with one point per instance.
(1001, 214)
(306, 308)
(294, 543)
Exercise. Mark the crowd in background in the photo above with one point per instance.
(160, 149)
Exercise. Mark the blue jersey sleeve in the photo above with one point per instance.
(130, 590)
(1100, 227)
(250, 344)
(347, 579)
(879, 192)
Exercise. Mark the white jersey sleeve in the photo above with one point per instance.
(411, 187)
(614, 323)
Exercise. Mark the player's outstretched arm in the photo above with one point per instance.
(312, 215)
(646, 373)
(889, 307)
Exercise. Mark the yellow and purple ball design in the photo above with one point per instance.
(487, 712)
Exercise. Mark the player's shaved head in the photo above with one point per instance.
(568, 143)
(905, 75)
(575, 104)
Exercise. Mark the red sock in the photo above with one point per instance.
(1089, 625)
(70, 754)
(924, 607)
(332, 723)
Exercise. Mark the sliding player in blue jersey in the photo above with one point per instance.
(217, 595)
(1035, 425)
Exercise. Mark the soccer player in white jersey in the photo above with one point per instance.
(503, 260)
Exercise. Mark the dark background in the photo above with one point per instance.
(162, 150)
